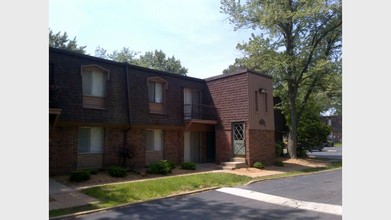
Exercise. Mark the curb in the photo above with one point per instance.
(294, 175)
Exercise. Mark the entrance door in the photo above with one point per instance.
(238, 139)
(187, 103)
(192, 147)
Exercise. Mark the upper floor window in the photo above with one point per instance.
(94, 86)
(156, 94)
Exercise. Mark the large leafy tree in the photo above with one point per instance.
(299, 43)
(154, 60)
(123, 55)
(158, 60)
(61, 41)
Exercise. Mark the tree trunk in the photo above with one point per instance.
(292, 139)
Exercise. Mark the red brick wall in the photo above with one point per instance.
(114, 140)
(63, 150)
(137, 140)
(230, 97)
(173, 146)
(223, 146)
(262, 146)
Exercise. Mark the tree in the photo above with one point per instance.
(157, 60)
(312, 132)
(153, 60)
(298, 42)
(123, 55)
(61, 41)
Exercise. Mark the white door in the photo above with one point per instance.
(187, 103)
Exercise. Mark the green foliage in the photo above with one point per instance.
(158, 60)
(161, 167)
(279, 146)
(154, 60)
(188, 166)
(299, 44)
(278, 163)
(80, 175)
(117, 171)
(312, 131)
(301, 152)
(61, 41)
(258, 165)
(123, 55)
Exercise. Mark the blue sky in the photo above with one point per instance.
(194, 31)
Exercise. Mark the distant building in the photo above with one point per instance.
(335, 122)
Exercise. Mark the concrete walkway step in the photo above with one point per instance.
(231, 165)
(61, 196)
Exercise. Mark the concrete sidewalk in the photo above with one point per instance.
(61, 196)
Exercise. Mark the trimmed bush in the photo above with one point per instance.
(117, 171)
(80, 175)
(278, 163)
(162, 167)
(170, 163)
(188, 166)
(258, 165)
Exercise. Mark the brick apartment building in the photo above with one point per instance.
(101, 109)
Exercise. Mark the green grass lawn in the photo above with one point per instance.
(126, 193)
(337, 144)
(118, 194)
(113, 195)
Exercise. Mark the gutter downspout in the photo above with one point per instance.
(129, 107)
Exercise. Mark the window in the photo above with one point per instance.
(154, 140)
(94, 86)
(266, 107)
(155, 91)
(91, 140)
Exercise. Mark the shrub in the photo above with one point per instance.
(170, 163)
(279, 146)
(188, 166)
(80, 175)
(258, 165)
(162, 167)
(117, 171)
(301, 152)
(278, 163)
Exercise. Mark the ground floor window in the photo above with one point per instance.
(154, 140)
(91, 140)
